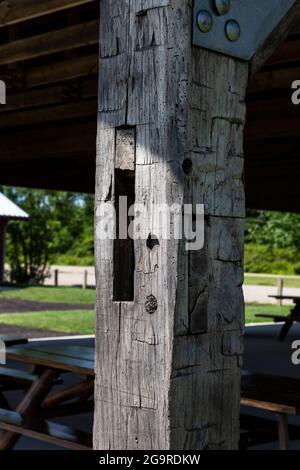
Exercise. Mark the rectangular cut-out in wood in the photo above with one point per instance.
(124, 178)
(125, 149)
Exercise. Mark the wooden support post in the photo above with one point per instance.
(56, 278)
(2, 250)
(169, 357)
(283, 431)
(85, 279)
(280, 284)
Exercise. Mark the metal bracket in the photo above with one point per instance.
(236, 27)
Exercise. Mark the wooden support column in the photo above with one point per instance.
(168, 362)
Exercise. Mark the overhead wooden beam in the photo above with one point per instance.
(81, 110)
(50, 175)
(280, 32)
(268, 80)
(62, 71)
(12, 11)
(62, 140)
(56, 94)
(289, 52)
(49, 43)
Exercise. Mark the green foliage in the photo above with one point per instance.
(273, 229)
(60, 224)
(272, 242)
(270, 260)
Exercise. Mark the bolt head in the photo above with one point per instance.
(204, 21)
(233, 30)
(222, 6)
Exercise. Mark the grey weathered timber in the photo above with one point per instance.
(168, 363)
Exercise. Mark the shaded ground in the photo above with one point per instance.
(22, 306)
(28, 333)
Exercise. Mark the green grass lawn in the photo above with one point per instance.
(253, 309)
(65, 295)
(270, 281)
(82, 322)
(77, 322)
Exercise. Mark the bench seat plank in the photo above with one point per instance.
(40, 356)
(15, 375)
(46, 431)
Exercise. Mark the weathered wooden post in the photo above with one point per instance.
(173, 78)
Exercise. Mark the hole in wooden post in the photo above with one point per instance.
(187, 166)
(124, 260)
(152, 242)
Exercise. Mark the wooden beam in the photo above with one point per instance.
(13, 12)
(56, 94)
(272, 80)
(49, 43)
(287, 23)
(65, 139)
(81, 110)
(289, 52)
(62, 70)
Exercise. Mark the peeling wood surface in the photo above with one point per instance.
(168, 364)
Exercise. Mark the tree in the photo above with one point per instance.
(59, 223)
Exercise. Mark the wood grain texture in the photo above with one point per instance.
(168, 364)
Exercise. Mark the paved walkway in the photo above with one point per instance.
(260, 294)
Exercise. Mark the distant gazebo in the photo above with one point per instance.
(8, 211)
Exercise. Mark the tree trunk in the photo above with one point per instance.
(168, 361)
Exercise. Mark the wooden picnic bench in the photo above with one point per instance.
(277, 395)
(38, 403)
(294, 315)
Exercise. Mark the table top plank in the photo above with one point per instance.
(296, 298)
(40, 356)
(78, 352)
(278, 390)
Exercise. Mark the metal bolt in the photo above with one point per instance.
(233, 30)
(204, 21)
(222, 6)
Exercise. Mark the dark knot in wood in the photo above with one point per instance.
(151, 304)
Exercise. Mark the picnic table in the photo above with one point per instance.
(274, 394)
(288, 320)
(47, 363)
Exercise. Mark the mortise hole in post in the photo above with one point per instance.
(124, 259)
(187, 166)
(152, 242)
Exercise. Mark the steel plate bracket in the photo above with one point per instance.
(236, 28)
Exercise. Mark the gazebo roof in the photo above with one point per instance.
(9, 210)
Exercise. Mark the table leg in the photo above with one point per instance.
(293, 317)
(29, 405)
(283, 431)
